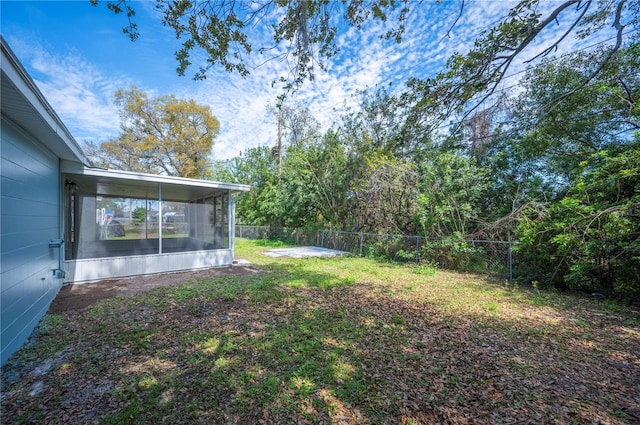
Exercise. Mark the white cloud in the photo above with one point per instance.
(81, 92)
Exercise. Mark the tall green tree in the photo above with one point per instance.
(317, 178)
(385, 195)
(257, 167)
(162, 135)
(567, 171)
(451, 191)
(535, 149)
(561, 133)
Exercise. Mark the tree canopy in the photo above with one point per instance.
(162, 135)
(471, 78)
(305, 33)
(562, 180)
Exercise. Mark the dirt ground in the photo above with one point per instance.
(81, 296)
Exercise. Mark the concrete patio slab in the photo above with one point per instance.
(303, 252)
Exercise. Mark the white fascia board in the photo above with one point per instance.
(76, 168)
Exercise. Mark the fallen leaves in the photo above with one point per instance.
(254, 350)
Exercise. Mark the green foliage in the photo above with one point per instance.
(307, 33)
(556, 163)
(385, 195)
(426, 268)
(140, 215)
(387, 248)
(256, 167)
(406, 256)
(454, 252)
(536, 145)
(561, 131)
(449, 200)
(473, 77)
(588, 240)
(162, 135)
(305, 30)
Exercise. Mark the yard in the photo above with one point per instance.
(340, 340)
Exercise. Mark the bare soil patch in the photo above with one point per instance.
(82, 296)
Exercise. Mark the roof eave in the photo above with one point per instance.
(74, 168)
(64, 144)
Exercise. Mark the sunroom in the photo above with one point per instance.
(119, 223)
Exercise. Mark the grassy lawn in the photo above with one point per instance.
(342, 340)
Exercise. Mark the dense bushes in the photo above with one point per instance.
(590, 239)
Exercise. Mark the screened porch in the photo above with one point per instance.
(123, 224)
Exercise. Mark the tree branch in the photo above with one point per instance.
(554, 46)
(448, 34)
(620, 29)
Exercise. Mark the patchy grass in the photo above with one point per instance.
(341, 340)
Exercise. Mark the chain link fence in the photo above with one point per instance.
(464, 255)
(291, 236)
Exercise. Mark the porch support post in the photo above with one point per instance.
(232, 222)
(159, 218)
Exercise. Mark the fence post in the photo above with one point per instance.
(361, 242)
(322, 240)
(510, 265)
(417, 250)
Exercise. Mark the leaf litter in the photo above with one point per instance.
(250, 349)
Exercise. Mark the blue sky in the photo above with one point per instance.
(78, 57)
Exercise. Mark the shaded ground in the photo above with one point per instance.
(82, 296)
(329, 341)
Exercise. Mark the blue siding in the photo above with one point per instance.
(30, 206)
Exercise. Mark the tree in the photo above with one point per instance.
(262, 204)
(449, 201)
(473, 77)
(568, 171)
(162, 135)
(386, 196)
(296, 126)
(305, 32)
(317, 178)
(534, 150)
(569, 130)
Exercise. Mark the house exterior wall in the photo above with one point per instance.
(30, 219)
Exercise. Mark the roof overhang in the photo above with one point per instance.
(24, 105)
(107, 182)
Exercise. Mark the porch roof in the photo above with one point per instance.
(142, 185)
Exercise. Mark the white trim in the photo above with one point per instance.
(76, 168)
(160, 219)
(232, 223)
